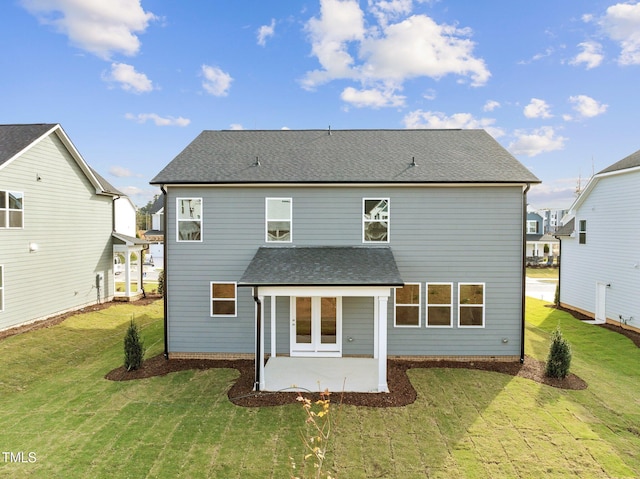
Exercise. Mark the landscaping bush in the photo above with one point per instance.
(559, 358)
(133, 348)
(161, 283)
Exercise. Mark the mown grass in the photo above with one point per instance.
(542, 273)
(57, 404)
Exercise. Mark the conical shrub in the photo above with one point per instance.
(133, 348)
(559, 358)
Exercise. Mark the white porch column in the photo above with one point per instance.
(382, 344)
(375, 327)
(127, 273)
(273, 326)
(262, 381)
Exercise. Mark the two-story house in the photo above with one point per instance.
(59, 227)
(328, 252)
(600, 266)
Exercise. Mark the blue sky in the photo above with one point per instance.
(134, 81)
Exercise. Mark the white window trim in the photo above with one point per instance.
(582, 230)
(484, 301)
(388, 221)
(267, 219)
(535, 225)
(1, 288)
(427, 304)
(212, 299)
(178, 220)
(419, 306)
(6, 210)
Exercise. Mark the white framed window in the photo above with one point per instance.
(11, 209)
(407, 306)
(1, 288)
(224, 299)
(582, 232)
(471, 305)
(439, 305)
(375, 220)
(532, 227)
(188, 219)
(278, 220)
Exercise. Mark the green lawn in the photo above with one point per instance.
(60, 418)
(542, 273)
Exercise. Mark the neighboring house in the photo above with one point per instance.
(600, 267)
(56, 225)
(155, 235)
(324, 249)
(541, 246)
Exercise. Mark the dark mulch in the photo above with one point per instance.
(401, 390)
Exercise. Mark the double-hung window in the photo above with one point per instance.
(224, 299)
(375, 220)
(11, 209)
(439, 304)
(471, 305)
(189, 219)
(407, 305)
(278, 212)
(532, 227)
(582, 232)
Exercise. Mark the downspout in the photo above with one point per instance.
(524, 269)
(166, 277)
(256, 384)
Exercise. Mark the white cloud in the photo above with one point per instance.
(558, 193)
(491, 105)
(157, 119)
(586, 106)
(266, 31)
(374, 98)
(216, 82)
(128, 78)
(97, 26)
(591, 55)
(389, 53)
(120, 172)
(539, 141)
(622, 24)
(236, 126)
(438, 120)
(537, 109)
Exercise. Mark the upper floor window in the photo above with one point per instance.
(278, 219)
(582, 233)
(375, 220)
(189, 219)
(407, 302)
(11, 209)
(532, 227)
(1, 288)
(471, 304)
(439, 304)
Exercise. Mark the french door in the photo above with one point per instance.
(316, 326)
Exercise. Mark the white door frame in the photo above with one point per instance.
(600, 312)
(315, 348)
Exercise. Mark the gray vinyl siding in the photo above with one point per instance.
(72, 227)
(438, 234)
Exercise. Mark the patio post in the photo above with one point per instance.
(382, 344)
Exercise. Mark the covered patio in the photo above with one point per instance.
(316, 279)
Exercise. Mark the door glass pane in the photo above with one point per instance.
(303, 320)
(328, 322)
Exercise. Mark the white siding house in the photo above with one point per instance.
(600, 258)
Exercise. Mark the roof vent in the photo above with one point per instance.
(257, 163)
(413, 161)
(329, 131)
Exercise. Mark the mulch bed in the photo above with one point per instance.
(401, 390)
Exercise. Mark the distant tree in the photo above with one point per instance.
(143, 215)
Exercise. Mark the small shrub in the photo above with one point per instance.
(133, 348)
(559, 358)
(556, 298)
(161, 283)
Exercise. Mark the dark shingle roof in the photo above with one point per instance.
(567, 229)
(15, 138)
(106, 186)
(344, 156)
(326, 265)
(630, 161)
